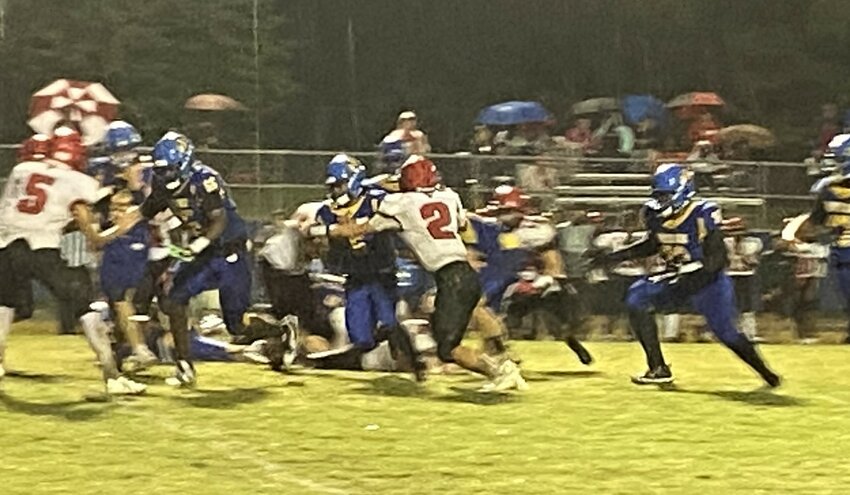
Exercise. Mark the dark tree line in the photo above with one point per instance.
(334, 73)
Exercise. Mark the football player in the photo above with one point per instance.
(832, 212)
(125, 259)
(509, 242)
(210, 242)
(687, 234)
(40, 199)
(429, 220)
(367, 261)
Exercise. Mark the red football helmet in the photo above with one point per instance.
(35, 147)
(418, 173)
(507, 197)
(67, 147)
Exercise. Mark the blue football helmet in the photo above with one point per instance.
(672, 189)
(838, 151)
(173, 156)
(345, 179)
(121, 141)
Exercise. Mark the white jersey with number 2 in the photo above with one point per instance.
(37, 201)
(428, 222)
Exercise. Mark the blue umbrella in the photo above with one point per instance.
(514, 112)
(636, 108)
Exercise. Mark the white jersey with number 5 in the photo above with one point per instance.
(37, 202)
(428, 223)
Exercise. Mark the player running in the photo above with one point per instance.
(508, 243)
(209, 239)
(40, 199)
(429, 220)
(125, 259)
(368, 263)
(687, 234)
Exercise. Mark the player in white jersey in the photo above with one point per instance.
(429, 220)
(40, 199)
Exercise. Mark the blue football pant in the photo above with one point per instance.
(367, 305)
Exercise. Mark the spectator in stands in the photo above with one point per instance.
(407, 130)
(581, 133)
(829, 126)
(704, 127)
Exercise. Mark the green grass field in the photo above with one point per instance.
(578, 430)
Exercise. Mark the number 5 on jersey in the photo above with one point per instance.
(437, 217)
(36, 197)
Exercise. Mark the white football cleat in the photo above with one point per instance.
(184, 377)
(124, 386)
(509, 377)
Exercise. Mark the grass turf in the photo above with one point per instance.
(578, 430)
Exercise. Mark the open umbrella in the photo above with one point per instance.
(637, 108)
(213, 102)
(697, 99)
(514, 112)
(755, 136)
(89, 105)
(596, 105)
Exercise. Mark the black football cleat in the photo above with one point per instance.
(661, 375)
(772, 379)
(581, 352)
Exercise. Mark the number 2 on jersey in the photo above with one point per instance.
(36, 197)
(437, 216)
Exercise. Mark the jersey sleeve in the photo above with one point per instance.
(212, 194)
(711, 216)
(88, 190)
(325, 216)
(390, 205)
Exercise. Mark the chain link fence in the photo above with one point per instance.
(264, 181)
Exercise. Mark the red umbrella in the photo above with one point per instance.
(697, 99)
(89, 105)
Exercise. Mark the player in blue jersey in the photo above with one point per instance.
(831, 211)
(125, 259)
(686, 233)
(367, 262)
(209, 240)
(508, 243)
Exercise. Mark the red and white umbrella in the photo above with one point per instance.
(89, 105)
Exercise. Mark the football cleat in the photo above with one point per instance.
(2, 371)
(509, 377)
(184, 377)
(124, 386)
(772, 380)
(658, 376)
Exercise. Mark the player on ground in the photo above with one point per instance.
(210, 239)
(687, 235)
(429, 220)
(40, 199)
(368, 263)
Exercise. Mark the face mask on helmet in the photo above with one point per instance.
(672, 190)
(173, 156)
(344, 180)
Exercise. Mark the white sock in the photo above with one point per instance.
(96, 335)
(671, 325)
(7, 315)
